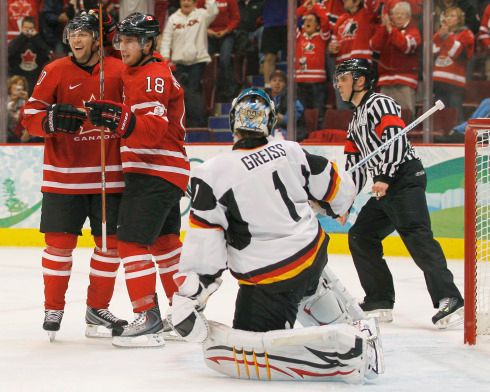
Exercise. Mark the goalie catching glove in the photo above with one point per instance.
(62, 118)
(115, 116)
(186, 315)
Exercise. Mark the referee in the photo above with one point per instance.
(398, 201)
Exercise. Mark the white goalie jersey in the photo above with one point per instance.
(250, 211)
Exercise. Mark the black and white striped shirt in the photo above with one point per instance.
(376, 120)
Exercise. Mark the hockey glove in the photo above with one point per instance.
(108, 22)
(63, 118)
(186, 315)
(115, 116)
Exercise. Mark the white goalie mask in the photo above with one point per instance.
(253, 111)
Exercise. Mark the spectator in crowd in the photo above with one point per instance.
(53, 16)
(333, 9)
(278, 94)
(274, 37)
(247, 33)
(416, 7)
(470, 16)
(17, 96)
(453, 47)
(16, 11)
(221, 40)
(127, 7)
(351, 34)
(484, 39)
(311, 44)
(457, 133)
(185, 42)
(28, 53)
(397, 40)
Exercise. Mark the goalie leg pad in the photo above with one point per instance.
(322, 308)
(325, 353)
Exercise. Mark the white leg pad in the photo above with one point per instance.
(325, 353)
(322, 308)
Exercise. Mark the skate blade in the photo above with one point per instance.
(52, 336)
(152, 340)
(97, 331)
(383, 315)
(452, 320)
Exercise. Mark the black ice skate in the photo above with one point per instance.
(450, 314)
(383, 310)
(52, 321)
(145, 331)
(100, 322)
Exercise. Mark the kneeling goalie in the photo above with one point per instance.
(250, 214)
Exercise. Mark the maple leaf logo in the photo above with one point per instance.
(87, 126)
(28, 60)
(19, 8)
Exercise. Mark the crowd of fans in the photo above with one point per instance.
(248, 37)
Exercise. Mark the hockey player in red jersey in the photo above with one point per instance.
(156, 170)
(71, 173)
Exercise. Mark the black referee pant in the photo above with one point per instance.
(404, 209)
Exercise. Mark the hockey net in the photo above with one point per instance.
(477, 230)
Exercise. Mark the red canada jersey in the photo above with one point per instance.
(398, 57)
(333, 8)
(72, 162)
(353, 32)
(16, 11)
(484, 33)
(452, 55)
(156, 145)
(310, 49)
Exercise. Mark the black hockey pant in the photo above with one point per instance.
(404, 208)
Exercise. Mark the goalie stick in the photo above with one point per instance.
(439, 105)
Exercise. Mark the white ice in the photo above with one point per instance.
(418, 357)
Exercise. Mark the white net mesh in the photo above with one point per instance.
(483, 232)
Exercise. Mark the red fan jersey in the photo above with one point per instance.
(310, 49)
(334, 9)
(16, 11)
(156, 145)
(353, 32)
(398, 57)
(72, 161)
(452, 55)
(484, 33)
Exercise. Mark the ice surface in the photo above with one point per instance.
(418, 357)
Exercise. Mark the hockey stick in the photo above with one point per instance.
(439, 105)
(102, 132)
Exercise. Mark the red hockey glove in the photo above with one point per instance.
(115, 116)
(63, 118)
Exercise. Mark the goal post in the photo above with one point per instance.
(477, 230)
